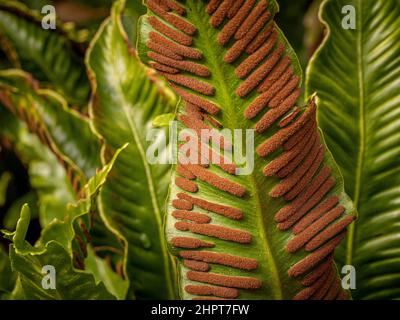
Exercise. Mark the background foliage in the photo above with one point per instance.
(58, 83)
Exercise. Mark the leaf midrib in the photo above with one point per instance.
(232, 116)
(361, 151)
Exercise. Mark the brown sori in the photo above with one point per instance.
(295, 157)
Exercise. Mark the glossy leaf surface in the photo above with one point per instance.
(357, 76)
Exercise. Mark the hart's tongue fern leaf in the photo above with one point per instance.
(53, 56)
(362, 90)
(270, 234)
(127, 96)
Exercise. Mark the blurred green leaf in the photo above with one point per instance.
(4, 181)
(7, 276)
(36, 4)
(291, 20)
(163, 120)
(18, 236)
(127, 98)
(49, 180)
(356, 73)
(70, 283)
(102, 272)
(48, 54)
(56, 247)
(79, 215)
(13, 213)
(130, 17)
(47, 177)
(47, 114)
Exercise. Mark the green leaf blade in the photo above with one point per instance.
(46, 113)
(70, 284)
(356, 74)
(248, 229)
(50, 55)
(128, 97)
(7, 276)
(59, 248)
(52, 190)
